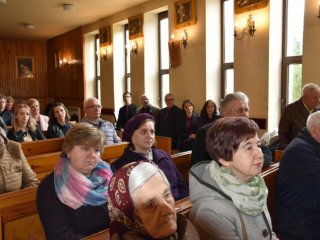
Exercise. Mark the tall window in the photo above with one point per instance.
(97, 66)
(164, 56)
(227, 41)
(127, 59)
(292, 51)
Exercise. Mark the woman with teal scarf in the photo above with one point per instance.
(229, 196)
(72, 201)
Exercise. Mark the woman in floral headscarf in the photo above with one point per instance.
(141, 205)
(72, 201)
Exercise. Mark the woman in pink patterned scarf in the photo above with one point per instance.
(72, 201)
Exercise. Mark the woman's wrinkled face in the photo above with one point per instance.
(143, 137)
(155, 207)
(84, 158)
(247, 160)
(210, 108)
(59, 113)
(188, 108)
(23, 116)
(35, 109)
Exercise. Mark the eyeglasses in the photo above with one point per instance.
(94, 106)
(169, 99)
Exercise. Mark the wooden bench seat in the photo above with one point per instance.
(182, 161)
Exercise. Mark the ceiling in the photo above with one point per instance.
(49, 18)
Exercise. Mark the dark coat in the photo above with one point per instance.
(293, 119)
(298, 189)
(186, 144)
(179, 188)
(125, 115)
(7, 117)
(62, 222)
(171, 123)
(153, 110)
(18, 136)
(55, 130)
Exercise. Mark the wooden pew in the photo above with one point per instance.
(164, 143)
(43, 164)
(111, 153)
(270, 177)
(18, 214)
(42, 146)
(182, 161)
(55, 145)
(278, 155)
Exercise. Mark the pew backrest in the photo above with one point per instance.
(182, 161)
(42, 146)
(18, 214)
(111, 153)
(270, 177)
(164, 143)
(43, 164)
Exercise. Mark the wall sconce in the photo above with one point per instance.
(248, 30)
(183, 41)
(134, 48)
(184, 38)
(105, 53)
(318, 10)
(63, 62)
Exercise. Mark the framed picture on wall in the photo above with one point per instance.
(105, 36)
(241, 6)
(24, 67)
(185, 13)
(135, 26)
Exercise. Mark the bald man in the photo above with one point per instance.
(295, 114)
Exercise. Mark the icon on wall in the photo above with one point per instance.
(185, 13)
(24, 67)
(135, 26)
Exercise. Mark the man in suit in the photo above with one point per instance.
(234, 105)
(295, 114)
(126, 112)
(170, 122)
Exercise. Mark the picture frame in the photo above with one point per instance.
(24, 67)
(185, 13)
(135, 26)
(105, 36)
(241, 6)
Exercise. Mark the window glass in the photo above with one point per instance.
(295, 21)
(164, 33)
(228, 28)
(294, 82)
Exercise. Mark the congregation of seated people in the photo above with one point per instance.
(222, 179)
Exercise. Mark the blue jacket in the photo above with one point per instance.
(179, 188)
(298, 189)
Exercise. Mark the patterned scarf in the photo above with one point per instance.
(75, 189)
(249, 197)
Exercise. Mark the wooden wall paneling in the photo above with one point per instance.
(67, 83)
(23, 88)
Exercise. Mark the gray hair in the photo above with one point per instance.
(313, 121)
(310, 87)
(226, 103)
(90, 99)
(142, 173)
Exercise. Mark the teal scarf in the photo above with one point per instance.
(249, 197)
